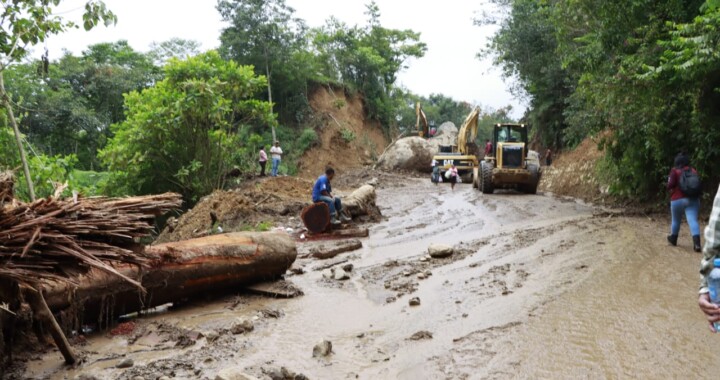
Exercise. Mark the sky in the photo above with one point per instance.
(449, 67)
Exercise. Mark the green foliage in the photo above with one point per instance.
(181, 135)
(339, 103)
(308, 139)
(646, 71)
(347, 135)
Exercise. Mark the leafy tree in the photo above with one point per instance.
(29, 22)
(367, 59)
(265, 34)
(181, 134)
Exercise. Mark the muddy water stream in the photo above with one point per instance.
(540, 288)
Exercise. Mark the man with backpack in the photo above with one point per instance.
(685, 187)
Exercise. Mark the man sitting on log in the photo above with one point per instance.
(322, 192)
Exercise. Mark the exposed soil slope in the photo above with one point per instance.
(341, 115)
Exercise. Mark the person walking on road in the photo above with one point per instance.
(262, 161)
(548, 157)
(322, 192)
(684, 185)
(276, 154)
(711, 251)
(452, 176)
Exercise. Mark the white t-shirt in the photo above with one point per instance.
(276, 152)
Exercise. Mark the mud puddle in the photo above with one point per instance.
(537, 287)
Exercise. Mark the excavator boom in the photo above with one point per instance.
(421, 118)
(468, 132)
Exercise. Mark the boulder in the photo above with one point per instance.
(415, 301)
(409, 153)
(340, 274)
(446, 135)
(234, 373)
(126, 363)
(242, 327)
(439, 251)
(322, 349)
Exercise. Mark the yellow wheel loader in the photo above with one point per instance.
(464, 155)
(511, 165)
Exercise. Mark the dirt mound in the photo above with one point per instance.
(347, 139)
(256, 205)
(575, 174)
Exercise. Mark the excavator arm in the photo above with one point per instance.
(421, 118)
(468, 132)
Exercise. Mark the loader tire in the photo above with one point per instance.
(532, 187)
(486, 184)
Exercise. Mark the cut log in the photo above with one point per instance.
(179, 271)
(362, 202)
(328, 250)
(316, 217)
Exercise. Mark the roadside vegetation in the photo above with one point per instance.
(647, 72)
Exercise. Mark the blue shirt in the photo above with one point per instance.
(322, 184)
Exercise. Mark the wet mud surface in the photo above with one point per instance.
(538, 287)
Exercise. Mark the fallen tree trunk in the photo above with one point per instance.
(177, 271)
(362, 202)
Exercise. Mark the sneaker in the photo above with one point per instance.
(334, 221)
(344, 218)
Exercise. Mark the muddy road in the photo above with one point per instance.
(538, 287)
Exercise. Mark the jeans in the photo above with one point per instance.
(275, 166)
(691, 208)
(335, 205)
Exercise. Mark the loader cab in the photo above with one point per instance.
(510, 144)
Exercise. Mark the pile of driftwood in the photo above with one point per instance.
(58, 239)
(55, 239)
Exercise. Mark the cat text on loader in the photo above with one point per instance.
(511, 165)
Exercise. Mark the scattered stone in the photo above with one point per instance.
(420, 335)
(271, 313)
(297, 270)
(348, 267)
(360, 336)
(415, 301)
(212, 336)
(322, 349)
(388, 284)
(474, 265)
(138, 378)
(341, 275)
(424, 259)
(390, 299)
(242, 327)
(428, 273)
(86, 377)
(125, 363)
(439, 251)
(407, 273)
(421, 276)
(465, 315)
(458, 301)
(327, 273)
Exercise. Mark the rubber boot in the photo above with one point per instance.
(696, 243)
(672, 239)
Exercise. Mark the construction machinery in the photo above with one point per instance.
(464, 155)
(420, 117)
(511, 165)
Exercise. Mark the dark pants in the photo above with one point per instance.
(262, 168)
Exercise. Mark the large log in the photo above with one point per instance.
(177, 271)
(362, 202)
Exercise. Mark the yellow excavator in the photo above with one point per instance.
(420, 116)
(464, 155)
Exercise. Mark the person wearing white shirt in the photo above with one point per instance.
(276, 154)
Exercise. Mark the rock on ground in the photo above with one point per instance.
(415, 301)
(242, 327)
(439, 251)
(446, 135)
(235, 373)
(341, 275)
(126, 363)
(409, 153)
(420, 335)
(322, 349)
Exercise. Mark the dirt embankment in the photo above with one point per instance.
(347, 138)
(576, 174)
